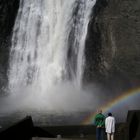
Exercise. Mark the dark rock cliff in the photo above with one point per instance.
(113, 43)
(8, 11)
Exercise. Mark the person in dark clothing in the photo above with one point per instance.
(100, 125)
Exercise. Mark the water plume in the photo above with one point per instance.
(47, 55)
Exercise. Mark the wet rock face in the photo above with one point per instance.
(8, 11)
(113, 43)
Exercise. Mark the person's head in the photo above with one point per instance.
(100, 111)
(109, 114)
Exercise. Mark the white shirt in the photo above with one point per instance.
(110, 124)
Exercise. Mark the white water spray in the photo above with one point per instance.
(40, 47)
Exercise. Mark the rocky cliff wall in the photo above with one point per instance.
(114, 43)
(8, 11)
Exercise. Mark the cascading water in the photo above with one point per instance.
(48, 50)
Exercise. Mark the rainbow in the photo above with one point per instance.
(113, 103)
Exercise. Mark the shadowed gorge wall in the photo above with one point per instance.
(113, 45)
(8, 11)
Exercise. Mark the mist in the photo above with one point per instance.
(62, 98)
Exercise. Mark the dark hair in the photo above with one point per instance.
(109, 114)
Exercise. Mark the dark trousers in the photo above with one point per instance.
(100, 133)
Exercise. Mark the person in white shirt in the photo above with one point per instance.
(110, 126)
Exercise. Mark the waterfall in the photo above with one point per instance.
(48, 44)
